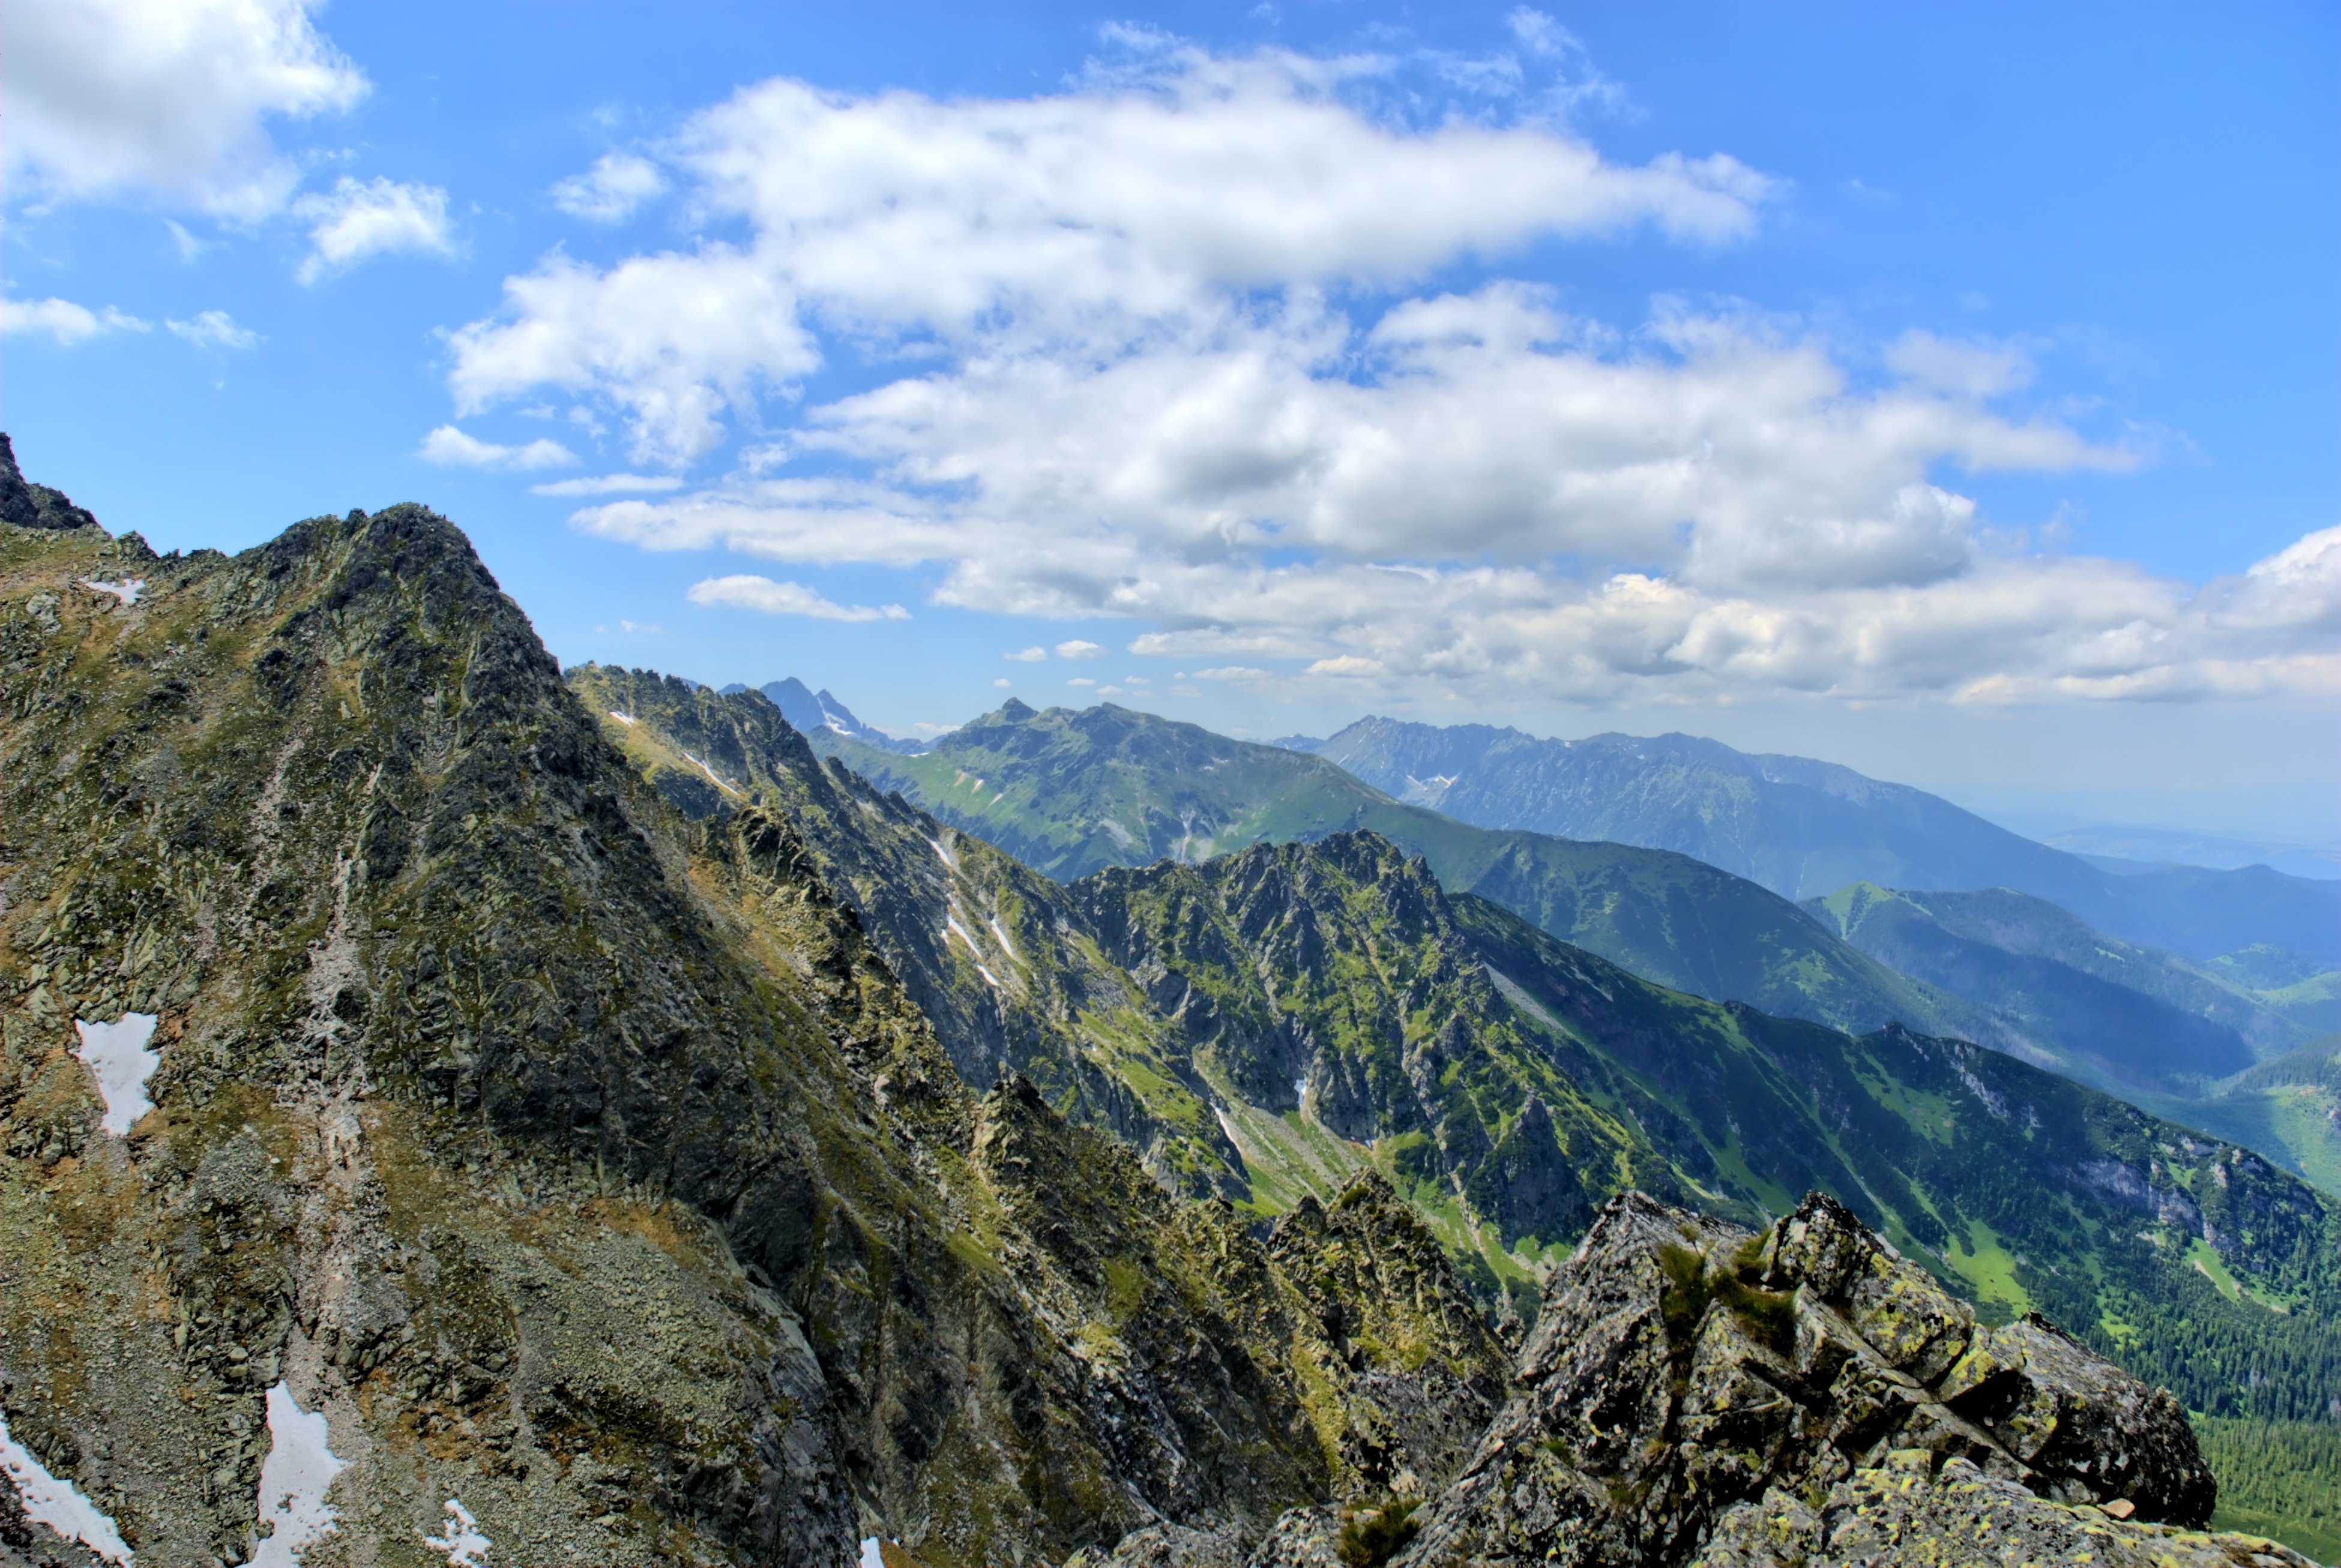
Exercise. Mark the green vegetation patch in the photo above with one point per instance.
(2281, 1479)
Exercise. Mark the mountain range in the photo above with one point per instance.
(1805, 829)
(581, 1122)
(1434, 1058)
(1071, 791)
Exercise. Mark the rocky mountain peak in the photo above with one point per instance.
(28, 506)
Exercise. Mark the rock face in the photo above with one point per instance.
(579, 1163)
(35, 505)
(1427, 1372)
(1698, 1394)
(989, 949)
(1681, 1368)
(1907, 1510)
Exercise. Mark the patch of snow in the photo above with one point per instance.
(1300, 1088)
(126, 591)
(1006, 946)
(871, 1556)
(59, 1504)
(293, 1479)
(117, 1054)
(945, 854)
(721, 782)
(462, 1541)
(1993, 1101)
(951, 928)
(1519, 999)
(625, 718)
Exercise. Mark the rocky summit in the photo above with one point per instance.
(431, 1133)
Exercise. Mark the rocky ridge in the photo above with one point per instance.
(578, 1164)
(1698, 1394)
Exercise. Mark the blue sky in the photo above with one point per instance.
(1949, 391)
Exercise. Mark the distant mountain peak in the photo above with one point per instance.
(811, 712)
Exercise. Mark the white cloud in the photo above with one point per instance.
(215, 330)
(1969, 369)
(1077, 649)
(1089, 214)
(608, 484)
(1002, 681)
(749, 592)
(1029, 656)
(673, 340)
(451, 448)
(63, 320)
(1081, 680)
(611, 190)
(358, 219)
(167, 98)
(1150, 351)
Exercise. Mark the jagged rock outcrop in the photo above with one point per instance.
(1698, 1394)
(1682, 1366)
(1916, 1507)
(1428, 1371)
(27, 505)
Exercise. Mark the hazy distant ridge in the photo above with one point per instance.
(1805, 829)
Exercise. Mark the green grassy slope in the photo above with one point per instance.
(2172, 1036)
(1340, 1008)
(2193, 1261)
(2110, 1029)
(2290, 1106)
(1072, 791)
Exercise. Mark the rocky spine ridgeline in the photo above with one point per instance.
(580, 1166)
(561, 1177)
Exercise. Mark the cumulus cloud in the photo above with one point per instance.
(215, 330)
(451, 448)
(1077, 649)
(65, 322)
(1028, 656)
(673, 340)
(750, 592)
(1097, 216)
(611, 190)
(166, 98)
(1156, 350)
(357, 219)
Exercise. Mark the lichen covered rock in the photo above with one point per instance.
(1908, 1509)
(1682, 1367)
